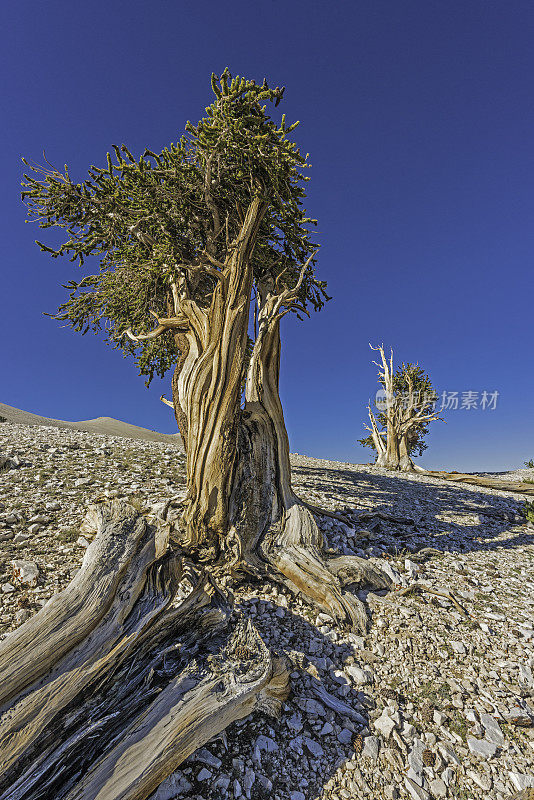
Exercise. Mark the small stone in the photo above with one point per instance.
(484, 781)
(438, 788)
(458, 647)
(176, 784)
(521, 781)
(313, 707)
(481, 747)
(39, 519)
(525, 675)
(222, 783)
(248, 780)
(296, 796)
(519, 718)
(33, 529)
(415, 757)
(371, 745)
(416, 791)
(83, 481)
(205, 757)
(7, 588)
(82, 541)
(448, 776)
(449, 754)
(21, 537)
(27, 572)
(265, 782)
(295, 723)
(345, 736)
(493, 730)
(204, 774)
(359, 676)
(22, 615)
(265, 743)
(384, 725)
(314, 747)
(411, 568)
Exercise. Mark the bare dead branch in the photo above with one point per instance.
(164, 324)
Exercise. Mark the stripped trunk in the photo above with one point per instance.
(405, 462)
(271, 532)
(182, 346)
(208, 390)
(396, 453)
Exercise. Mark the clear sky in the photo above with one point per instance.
(419, 118)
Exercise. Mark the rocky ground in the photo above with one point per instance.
(436, 701)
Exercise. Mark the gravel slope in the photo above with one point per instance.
(431, 703)
(102, 425)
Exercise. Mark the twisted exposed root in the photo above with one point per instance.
(295, 551)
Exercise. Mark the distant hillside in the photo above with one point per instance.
(105, 425)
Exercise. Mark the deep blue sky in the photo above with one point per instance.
(419, 118)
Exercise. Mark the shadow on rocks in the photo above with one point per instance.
(481, 517)
(324, 722)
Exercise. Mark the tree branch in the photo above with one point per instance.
(164, 324)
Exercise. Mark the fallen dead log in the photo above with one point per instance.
(115, 682)
(478, 480)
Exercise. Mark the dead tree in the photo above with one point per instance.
(209, 239)
(407, 407)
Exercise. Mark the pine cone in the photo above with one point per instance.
(427, 714)
(358, 743)
(429, 758)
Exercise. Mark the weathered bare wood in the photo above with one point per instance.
(480, 480)
(274, 533)
(112, 714)
(81, 606)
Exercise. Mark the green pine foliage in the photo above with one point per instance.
(131, 223)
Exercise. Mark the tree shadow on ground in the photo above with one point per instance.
(479, 519)
(302, 750)
(309, 739)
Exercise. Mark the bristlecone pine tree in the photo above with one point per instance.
(398, 431)
(115, 682)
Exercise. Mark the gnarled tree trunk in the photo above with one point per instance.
(208, 389)
(271, 531)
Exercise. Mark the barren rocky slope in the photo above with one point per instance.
(436, 701)
(104, 425)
